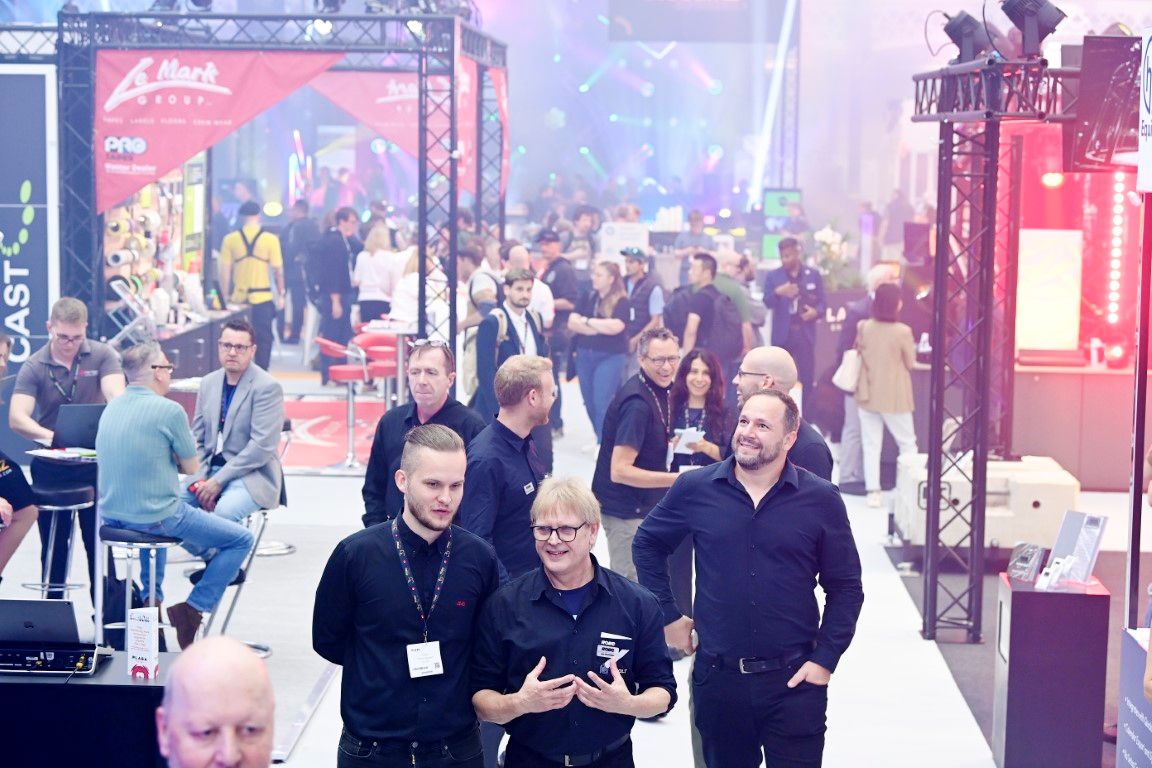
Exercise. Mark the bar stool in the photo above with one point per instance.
(134, 541)
(350, 374)
(58, 501)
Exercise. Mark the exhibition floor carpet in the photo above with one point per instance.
(320, 431)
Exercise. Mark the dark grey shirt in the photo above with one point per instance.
(52, 384)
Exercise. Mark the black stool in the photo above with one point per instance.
(57, 501)
(134, 541)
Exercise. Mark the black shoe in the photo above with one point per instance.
(186, 620)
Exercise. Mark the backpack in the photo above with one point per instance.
(469, 377)
(726, 337)
(675, 315)
(313, 268)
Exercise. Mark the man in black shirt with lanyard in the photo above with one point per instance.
(765, 534)
(632, 466)
(397, 607)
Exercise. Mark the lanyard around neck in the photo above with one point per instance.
(411, 579)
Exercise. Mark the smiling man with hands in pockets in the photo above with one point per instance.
(567, 656)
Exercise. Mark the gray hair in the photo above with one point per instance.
(137, 361)
(655, 334)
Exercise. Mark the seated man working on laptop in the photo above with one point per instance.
(143, 442)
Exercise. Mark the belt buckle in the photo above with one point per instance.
(568, 760)
(744, 671)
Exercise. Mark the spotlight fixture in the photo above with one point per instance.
(200, 6)
(969, 36)
(1036, 19)
(329, 6)
(167, 6)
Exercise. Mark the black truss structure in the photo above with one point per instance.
(424, 44)
(973, 360)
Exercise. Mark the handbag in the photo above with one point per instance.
(847, 375)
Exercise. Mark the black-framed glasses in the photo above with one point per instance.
(167, 367)
(662, 361)
(742, 373)
(234, 347)
(564, 532)
(65, 339)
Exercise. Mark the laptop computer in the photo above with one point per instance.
(76, 425)
(34, 623)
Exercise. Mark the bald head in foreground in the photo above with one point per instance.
(218, 709)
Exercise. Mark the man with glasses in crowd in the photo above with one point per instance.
(237, 424)
(632, 467)
(571, 653)
(143, 442)
(431, 373)
(773, 368)
(70, 368)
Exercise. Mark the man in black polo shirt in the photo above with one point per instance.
(431, 371)
(568, 655)
(632, 466)
(397, 607)
(504, 469)
(560, 276)
(774, 368)
(765, 533)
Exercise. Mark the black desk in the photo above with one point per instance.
(107, 719)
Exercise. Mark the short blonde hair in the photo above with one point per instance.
(566, 493)
(518, 376)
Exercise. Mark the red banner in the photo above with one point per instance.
(387, 102)
(157, 108)
(500, 85)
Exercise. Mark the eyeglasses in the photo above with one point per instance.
(660, 362)
(434, 343)
(169, 367)
(234, 347)
(564, 532)
(63, 339)
(741, 373)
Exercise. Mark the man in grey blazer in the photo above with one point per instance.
(239, 417)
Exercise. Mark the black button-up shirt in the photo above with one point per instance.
(382, 499)
(365, 618)
(504, 472)
(757, 567)
(527, 619)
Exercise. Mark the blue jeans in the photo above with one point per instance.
(235, 504)
(600, 374)
(199, 529)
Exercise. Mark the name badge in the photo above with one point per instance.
(424, 659)
(613, 646)
(528, 488)
(86, 374)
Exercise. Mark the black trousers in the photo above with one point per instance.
(459, 752)
(46, 474)
(518, 756)
(371, 310)
(741, 716)
(263, 318)
(295, 320)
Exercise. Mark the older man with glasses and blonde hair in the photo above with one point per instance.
(570, 642)
(632, 466)
(70, 368)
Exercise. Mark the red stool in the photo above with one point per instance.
(349, 374)
(388, 375)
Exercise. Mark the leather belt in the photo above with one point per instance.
(578, 760)
(754, 665)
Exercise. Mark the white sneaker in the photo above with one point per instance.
(875, 499)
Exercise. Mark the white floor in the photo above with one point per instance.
(893, 700)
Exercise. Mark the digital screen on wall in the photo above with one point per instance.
(715, 21)
(1105, 134)
(779, 219)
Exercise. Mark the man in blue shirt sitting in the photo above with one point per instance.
(142, 443)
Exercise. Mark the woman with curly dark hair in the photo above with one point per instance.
(698, 402)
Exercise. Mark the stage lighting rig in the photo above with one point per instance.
(1036, 19)
(165, 6)
(200, 6)
(969, 35)
(329, 6)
